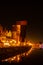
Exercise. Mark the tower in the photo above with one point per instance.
(23, 26)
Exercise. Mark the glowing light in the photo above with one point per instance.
(41, 46)
(30, 44)
(26, 54)
(6, 44)
(13, 41)
(9, 34)
(18, 57)
(23, 54)
(24, 44)
(10, 41)
(14, 57)
(12, 38)
(18, 28)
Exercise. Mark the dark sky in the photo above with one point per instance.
(33, 13)
(36, 24)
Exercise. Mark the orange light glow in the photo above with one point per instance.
(13, 39)
(30, 44)
(6, 44)
(22, 22)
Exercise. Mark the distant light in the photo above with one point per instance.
(41, 46)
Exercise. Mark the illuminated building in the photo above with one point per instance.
(23, 27)
(9, 34)
(13, 31)
(15, 36)
(16, 32)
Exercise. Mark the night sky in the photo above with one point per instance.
(33, 13)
